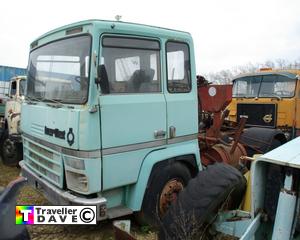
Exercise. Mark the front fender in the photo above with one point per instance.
(261, 139)
(13, 122)
(137, 191)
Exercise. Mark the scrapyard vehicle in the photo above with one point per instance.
(11, 140)
(274, 197)
(269, 98)
(111, 118)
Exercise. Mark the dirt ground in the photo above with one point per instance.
(104, 230)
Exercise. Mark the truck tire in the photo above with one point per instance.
(11, 151)
(201, 198)
(165, 184)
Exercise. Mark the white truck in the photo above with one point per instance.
(10, 141)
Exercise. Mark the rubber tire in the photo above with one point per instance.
(10, 160)
(150, 207)
(275, 144)
(202, 197)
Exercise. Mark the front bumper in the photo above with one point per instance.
(62, 197)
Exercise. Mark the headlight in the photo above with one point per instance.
(77, 181)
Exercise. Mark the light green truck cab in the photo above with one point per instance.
(110, 117)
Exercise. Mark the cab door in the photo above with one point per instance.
(181, 93)
(132, 106)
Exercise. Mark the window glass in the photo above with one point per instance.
(132, 65)
(13, 88)
(125, 67)
(178, 66)
(22, 86)
(59, 71)
(277, 86)
(246, 86)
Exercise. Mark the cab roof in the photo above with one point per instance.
(109, 27)
(287, 73)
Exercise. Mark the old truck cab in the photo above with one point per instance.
(110, 117)
(13, 104)
(269, 98)
(10, 140)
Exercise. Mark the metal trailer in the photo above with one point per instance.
(274, 188)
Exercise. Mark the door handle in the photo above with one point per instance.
(172, 131)
(159, 133)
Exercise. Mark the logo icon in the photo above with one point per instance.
(70, 137)
(268, 118)
(24, 215)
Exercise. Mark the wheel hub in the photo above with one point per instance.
(9, 147)
(169, 195)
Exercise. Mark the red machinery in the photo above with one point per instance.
(216, 145)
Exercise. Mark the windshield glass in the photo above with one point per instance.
(264, 86)
(60, 71)
(22, 86)
(278, 86)
(246, 86)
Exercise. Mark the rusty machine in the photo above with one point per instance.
(217, 145)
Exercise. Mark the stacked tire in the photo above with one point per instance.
(200, 199)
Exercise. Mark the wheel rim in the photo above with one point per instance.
(9, 148)
(169, 194)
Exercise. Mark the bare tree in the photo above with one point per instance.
(225, 76)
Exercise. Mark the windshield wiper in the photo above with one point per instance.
(32, 99)
(57, 101)
(276, 96)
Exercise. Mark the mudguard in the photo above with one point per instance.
(261, 140)
(137, 191)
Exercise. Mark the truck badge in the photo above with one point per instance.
(55, 132)
(70, 137)
(268, 118)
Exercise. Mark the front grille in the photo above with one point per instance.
(259, 114)
(44, 161)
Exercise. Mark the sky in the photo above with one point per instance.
(226, 33)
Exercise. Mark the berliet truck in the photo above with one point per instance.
(111, 119)
(105, 117)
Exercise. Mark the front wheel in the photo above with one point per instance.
(163, 189)
(11, 151)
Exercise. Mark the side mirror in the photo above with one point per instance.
(102, 79)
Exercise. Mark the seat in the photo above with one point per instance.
(140, 80)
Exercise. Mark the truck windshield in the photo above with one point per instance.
(60, 71)
(265, 86)
(22, 86)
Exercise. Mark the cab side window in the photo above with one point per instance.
(178, 67)
(132, 65)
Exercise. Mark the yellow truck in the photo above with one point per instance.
(269, 99)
